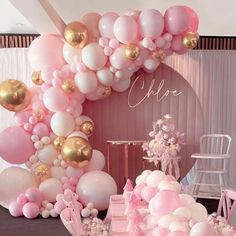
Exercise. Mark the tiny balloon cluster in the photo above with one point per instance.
(96, 55)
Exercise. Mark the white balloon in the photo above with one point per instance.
(13, 181)
(166, 220)
(97, 161)
(78, 134)
(93, 56)
(155, 178)
(198, 211)
(50, 188)
(74, 172)
(186, 199)
(139, 180)
(151, 65)
(94, 96)
(70, 52)
(62, 123)
(105, 76)
(121, 85)
(183, 211)
(96, 187)
(179, 226)
(145, 174)
(202, 229)
(47, 154)
(86, 82)
(169, 185)
(57, 172)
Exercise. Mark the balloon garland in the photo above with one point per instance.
(98, 54)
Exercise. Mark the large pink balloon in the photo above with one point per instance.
(15, 145)
(46, 50)
(193, 19)
(151, 23)
(125, 29)
(106, 24)
(176, 20)
(13, 181)
(165, 202)
(96, 187)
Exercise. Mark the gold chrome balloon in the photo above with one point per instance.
(190, 40)
(159, 55)
(104, 91)
(76, 151)
(41, 172)
(37, 78)
(132, 51)
(76, 34)
(87, 127)
(58, 142)
(68, 86)
(14, 95)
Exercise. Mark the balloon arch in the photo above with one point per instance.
(97, 55)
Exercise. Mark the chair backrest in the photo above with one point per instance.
(215, 143)
(227, 204)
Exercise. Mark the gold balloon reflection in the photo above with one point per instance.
(190, 40)
(132, 51)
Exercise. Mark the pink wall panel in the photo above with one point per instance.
(115, 120)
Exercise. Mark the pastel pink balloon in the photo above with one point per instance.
(118, 59)
(97, 161)
(151, 23)
(177, 45)
(47, 74)
(202, 229)
(91, 22)
(106, 24)
(59, 207)
(33, 195)
(121, 85)
(46, 50)
(30, 210)
(160, 231)
(148, 193)
(178, 233)
(9, 190)
(138, 189)
(125, 29)
(47, 120)
(165, 202)
(74, 172)
(19, 145)
(22, 117)
(15, 209)
(193, 19)
(41, 130)
(21, 199)
(55, 100)
(176, 20)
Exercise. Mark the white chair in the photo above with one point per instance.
(211, 166)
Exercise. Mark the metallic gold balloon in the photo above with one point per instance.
(58, 142)
(76, 34)
(132, 51)
(14, 95)
(41, 172)
(190, 40)
(87, 127)
(76, 151)
(68, 86)
(37, 78)
(104, 91)
(159, 55)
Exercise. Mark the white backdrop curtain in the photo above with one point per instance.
(210, 73)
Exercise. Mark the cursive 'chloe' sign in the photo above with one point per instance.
(160, 92)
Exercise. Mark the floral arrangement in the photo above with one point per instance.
(165, 143)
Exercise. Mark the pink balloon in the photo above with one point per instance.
(19, 145)
(30, 210)
(202, 229)
(125, 29)
(176, 20)
(193, 19)
(178, 233)
(41, 130)
(177, 45)
(59, 207)
(160, 231)
(15, 209)
(22, 117)
(97, 161)
(118, 59)
(138, 189)
(151, 23)
(46, 50)
(165, 202)
(106, 24)
(33, 195)
(148, 193)
(91, 21)
(55, 100)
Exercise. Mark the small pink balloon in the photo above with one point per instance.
(21, 199)
(46, 50)
(148, 193)
(177, 45)
(193, 19)
(138, 189)
(125, 29)
(41, 130)
(59, 207)
(30, 210)
(178, 233)
(16, 138)
(15, 209)
(33, 195)
(106, 24)
(22, 117)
